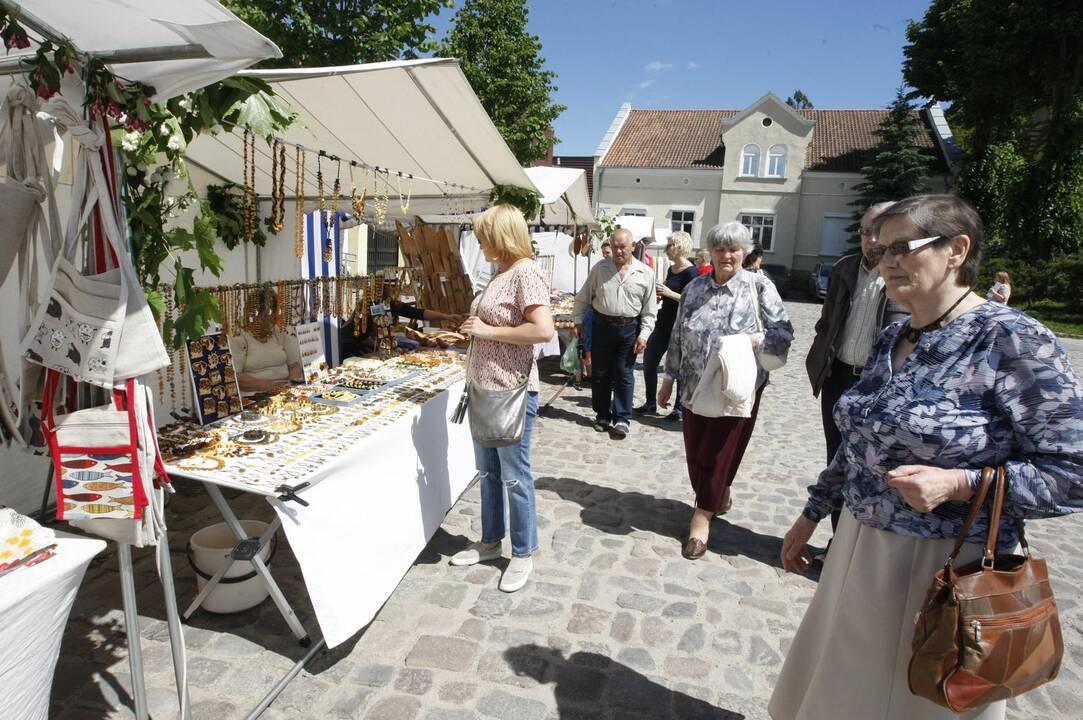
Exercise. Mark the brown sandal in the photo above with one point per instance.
(694, 549)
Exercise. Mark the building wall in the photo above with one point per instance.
(659, 192)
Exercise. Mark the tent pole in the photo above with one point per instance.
(15, 65)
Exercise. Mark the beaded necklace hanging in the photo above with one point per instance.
(278, 186)
(381, 202)
(319, 191)
(248, 173)
(358, 201)
(299, 206)
(329, 221)
(404, 206)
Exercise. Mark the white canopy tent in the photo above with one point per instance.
(179, 47)
(417, 117)
(173, 46)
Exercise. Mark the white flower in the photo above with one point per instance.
(185, 104)
(130, 141)
(164, 130)
(174, 142)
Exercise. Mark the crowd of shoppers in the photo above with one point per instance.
(922, 383)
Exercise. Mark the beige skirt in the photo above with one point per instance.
(850, 656)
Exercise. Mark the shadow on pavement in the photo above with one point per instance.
(587, 682)
(620, 513)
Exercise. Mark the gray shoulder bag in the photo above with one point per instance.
(497, 417)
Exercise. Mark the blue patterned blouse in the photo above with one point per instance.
(709, 311)
(992, 388)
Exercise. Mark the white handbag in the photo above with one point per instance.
(96, 328)
(767, 361)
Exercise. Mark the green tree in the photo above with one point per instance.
(799, 101)
(899, 168)
(1013, 72)
(316, 33)
(504, 65)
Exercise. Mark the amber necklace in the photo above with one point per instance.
(249, 190)
(358, 201)
(299, 207)
(278, 186)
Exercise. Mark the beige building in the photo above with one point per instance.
(786, 174)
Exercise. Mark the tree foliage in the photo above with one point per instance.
(900, 167)
(1013, 72)
(799, 101)
(504, 65)
(317, 33)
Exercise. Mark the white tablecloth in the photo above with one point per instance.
(34, 606)
(375, 510)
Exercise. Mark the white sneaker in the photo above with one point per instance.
(516, 574)
(476, 553)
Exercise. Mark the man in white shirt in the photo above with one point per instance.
(854, 312)
(621, 291)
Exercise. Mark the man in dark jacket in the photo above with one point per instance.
(855, 310)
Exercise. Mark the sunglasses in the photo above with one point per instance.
(900, 247)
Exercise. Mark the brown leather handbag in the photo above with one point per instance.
(988, 630)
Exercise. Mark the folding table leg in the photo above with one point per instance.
(176, 634)
(131, 626)
(260, 567)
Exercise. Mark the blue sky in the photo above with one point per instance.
(714, 54)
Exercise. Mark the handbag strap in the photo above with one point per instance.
(975, 507)
(755, 291)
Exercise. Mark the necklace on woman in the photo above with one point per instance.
(913, 334)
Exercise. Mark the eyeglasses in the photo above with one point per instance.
(900, 247)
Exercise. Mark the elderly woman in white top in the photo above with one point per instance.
(713, 306)
(266, 360)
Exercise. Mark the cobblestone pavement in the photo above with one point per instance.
(614, 623)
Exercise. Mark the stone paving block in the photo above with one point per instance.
(450, 714)
(458, 693)
(444, 653)
(588, 620)
(693, 639)
(691, 668)
(350, 701)
(680, 610)
(414, 681)
(375, 676)
(636, 658)
(396, 707)
(447, 595)
(656, 631)
(623, 625)
(534, 608)
(505, 706)
(491, 603)
(641, 602)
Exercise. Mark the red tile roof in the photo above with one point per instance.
(842, 140)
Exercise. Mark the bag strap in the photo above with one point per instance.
(755, 291)
(989, 555)
(975, 507)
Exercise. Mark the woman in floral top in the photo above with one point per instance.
(505, 322)
(962, 385)
(713, 306)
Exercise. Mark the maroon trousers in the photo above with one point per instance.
(714, 448)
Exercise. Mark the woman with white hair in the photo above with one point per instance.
(726, 302)
(681, 272)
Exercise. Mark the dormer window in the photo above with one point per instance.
(776, 161)
(750, 160)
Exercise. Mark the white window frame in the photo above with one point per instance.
(757, 228)
(746, 155)
(771, 155)
(687, 224)
(634, 211)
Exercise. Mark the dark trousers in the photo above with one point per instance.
(613, 358)
(713, 449)
(840, 379)
(657, 345)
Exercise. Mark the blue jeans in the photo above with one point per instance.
(508, 468)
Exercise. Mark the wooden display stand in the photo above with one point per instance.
(436, 268)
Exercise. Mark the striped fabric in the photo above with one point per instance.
(313, 265)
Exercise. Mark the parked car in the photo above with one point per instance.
(817, 281)
(777, 273)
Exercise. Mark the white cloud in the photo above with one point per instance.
(656, 66)
(693, 65)
(643, 85)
